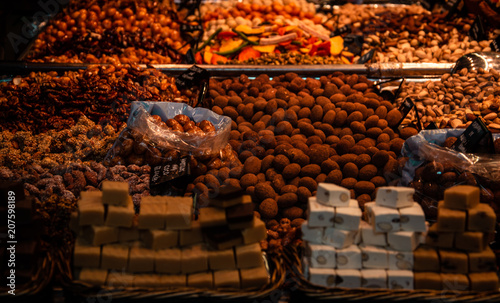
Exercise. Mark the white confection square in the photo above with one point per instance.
(399, 260)
(412, 218)
(348, 278)
(321, 256)
(374, 257)
(322, 276)
(312, 234)
(374, 278)
(395, 197)
(338, 238)
(319, 214)
(403, 240)
(423, 235)
(333, 195)
(347, 218)
(357, 237)
(370, 237)
(400, 279)
(383, 219)
(349, 258)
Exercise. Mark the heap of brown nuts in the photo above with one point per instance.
(183, 123)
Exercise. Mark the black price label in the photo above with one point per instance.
(189, 58)
(354, 43)
(194, 76)
(188, 28)
(432, 125)
(453, 7)
(170, 171)
(495, 44)
(366, 57)
(477, 31)
(405, 109)
(469, 139)
(341, 30)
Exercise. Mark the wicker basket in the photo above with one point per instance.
(304, 291)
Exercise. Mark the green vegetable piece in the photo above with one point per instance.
(244, 37)
(210, 38)
(232, 51)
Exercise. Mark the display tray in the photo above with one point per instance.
(304, 291)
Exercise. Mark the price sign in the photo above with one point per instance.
(194, 76)
(432, 125)
(172, 178)
(405, 109)
(469, 139)
(495, 44)
(189, 58)
(341, 30)
(477, 31)
(354, 43)
(366, 57)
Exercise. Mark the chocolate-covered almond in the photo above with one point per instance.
(182, 119)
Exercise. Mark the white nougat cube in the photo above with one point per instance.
(374, 257)
(370, 237)
(322, 276)
(349, 258)
(321, 256)
(374, 278)
(319, 214)
(412, 218)
(400, 279)
(333, 195)
(338, 238)
(403, 240)
(347, 218)
(383, 219)
(312, 234)
(395, 197)
(348, 278)
(400, 260)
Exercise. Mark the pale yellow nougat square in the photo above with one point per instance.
(173, 280)
(252, 278)
(248, 256)
(93, 276)
(120, 279)
(179, 213)
(115, 193)
(256, 233)
(141, 260)
(227, 279)
(461, 197)
(90, 196)
(212, 216)
(160, 239)
(120, 216)
(221, 259)
(194, 259)
(114, 256)
(152, 213)
(128, 234)
(86, 255)
(168, 261)
(481, 218)
(90, 211)
(191, 236)
(482, 261)
(147, 280)
(98, 235)
(201, 280)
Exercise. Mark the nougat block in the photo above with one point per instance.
(90, 197)
(91, 214)
(257, 232)
(427, 280)
(121, 216)
(160, 239)
(470, 241)
(147, 280)
(383, 219)
(98, 235)
(482, 261)
(333, 195)
(438, 238)
(412, 218)
(221, 259)
(240, 214)
(224, 201)
(370, 237)
(484, 281)
(461, 197)
(450, 220)
(191, 236)
(394, 197)
(451, 281)
(248, 256)
(374, 257)
(120, 279)
(141, 260)
(115, 193)
(220, 237)
(86, 256)
(319, 215)
(252, 278)
(179, 213)
(168, 261)
(347, 218)
(128, 234)
(339, 238)
(212, 216)
(373, 278)
(403, 240)
(312, 234)
(201, 280)
(348, 278)
(326, 277)
(321, 256)
(227, 279)
(400, 279)
(93, 276)
(152, 213)
(194, 259)
(114, 256)
(425, 259)
(349, 258)
(453, 261)
(400, 259)
(481, 218)
(173, 280)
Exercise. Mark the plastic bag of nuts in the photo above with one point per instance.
(161, 132)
